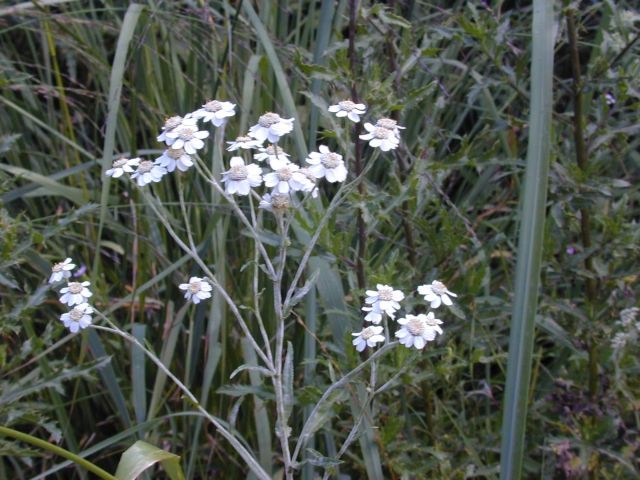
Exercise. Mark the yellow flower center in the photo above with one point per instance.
(346, 105)
(145, 166)
(367, 333)
(438, 288)
(385, 294)
(381, 133)
(175, 153)
(172, 122)
(75, 287)
(387, 123)
(76, 314)
(280, 201)
(194, 287)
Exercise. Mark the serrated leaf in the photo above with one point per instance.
(142, 455)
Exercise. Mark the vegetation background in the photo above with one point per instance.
(445, 205)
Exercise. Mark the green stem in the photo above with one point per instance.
(43, 444)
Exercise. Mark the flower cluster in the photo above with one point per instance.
(629, 329)
(183, 139)
(415, 330)
(75, 295)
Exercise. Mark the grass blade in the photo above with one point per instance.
(530, 243)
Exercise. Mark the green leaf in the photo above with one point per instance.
(287, 380)
(142, 455)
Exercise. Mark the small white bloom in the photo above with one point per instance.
(196, 290)
(610, 99)
(619, 340)
(61, 270)
(380, 137)
(148, 172)
(122, 165)
(244, 142)
(174, 122)
(312, 178)
(216, 112)
(271, 127)
(390, 124)
(383, 300)
(417, 330)
(75, 293)
(368, 337)
(277, 157)
(327, 164)
(78, 318)
(240, 177)
(276, 203)
(174, 157)
(287, 178)
(348, 109)
(436, 293)
(187, 137)
(628, 316)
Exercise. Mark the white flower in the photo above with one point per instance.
(75, 293)
(122, 165)
(240, 177)
(312, 178)
(287, 178)
(276, 203)
(187, 137)
(271, 127)
(216, 112)
(368, 338)
(196, 290)
(174, 122)
(348, 109)
(436, 293)
(174, 157)
(244, 142)
(383, 300)
(277, 157)
(78, 318)
(417, 330)
(628, 316)
(61, 270)
(328, 165)
(619, 340)
(390, 124)
(380, 137)
(148, 172)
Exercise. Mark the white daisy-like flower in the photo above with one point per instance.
(327, 164)
(312, 178)
(619, 340)
(287, 178)
(382, 300)
(348, 109)
(174, 122)
(174, 157)
(244, 142)
(274, 154)
(122, 165)
(78, 318)
(187, 137)
(75, 293)
(368, 337)
(276, 203)
(240, 177)
(148, 172)
(417, 330)
(436, 293)
(196, 290)
(61, 270)
(271, 127)
(380, 137)
(215, 112)
(390, 124)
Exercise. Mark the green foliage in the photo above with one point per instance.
(445, 205)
